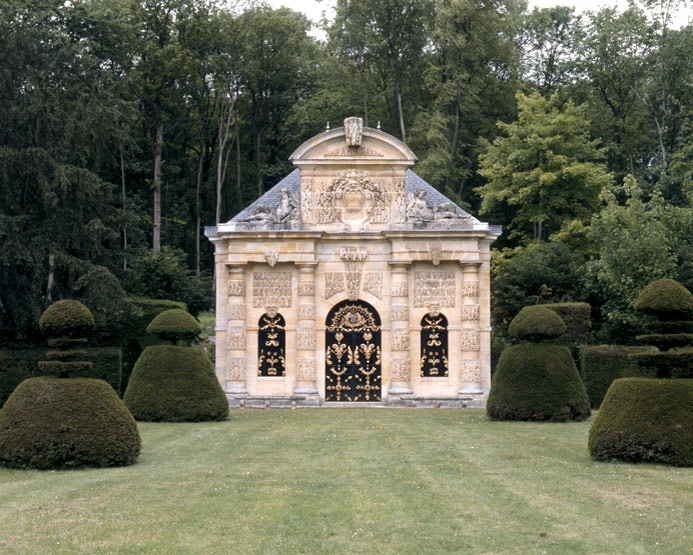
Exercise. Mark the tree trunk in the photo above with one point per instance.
(401, 116)
(258, 144)
(455, 137)
(198, 217)
(158, 146)
(238, 163)
(125, 227)
(51, 277)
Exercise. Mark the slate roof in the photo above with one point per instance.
(292, 182)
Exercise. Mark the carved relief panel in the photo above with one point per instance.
(272, 288)
(434, 288)
(470, 340)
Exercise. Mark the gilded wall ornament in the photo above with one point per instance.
(271, 359)
(434, 345)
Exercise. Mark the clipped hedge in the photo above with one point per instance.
(577, 321)
(536, 323)
(537, 382)
(645, 420)
(666, 300)
(60, 423)
(17, 366)
(175, 325)
(175, 384)
(66, 318)
(602, 364)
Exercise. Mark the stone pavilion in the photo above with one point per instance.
(353, 281)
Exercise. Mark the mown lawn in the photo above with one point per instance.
(353, 481)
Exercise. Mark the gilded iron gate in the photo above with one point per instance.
(352, 353)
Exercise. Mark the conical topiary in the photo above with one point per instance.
(63, 422)
(649, 419)
(174, 383)
(537, 379)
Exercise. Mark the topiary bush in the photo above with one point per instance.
(537, 381)
(64, 322)
(578, 323)
(170, 383)
(61, 423)
(645, 420)
(175, 325)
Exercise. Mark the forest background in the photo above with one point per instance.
(129, 125)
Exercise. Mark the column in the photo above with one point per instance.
(400, 361)
(236, 363)
(305, 330)
(470, 338)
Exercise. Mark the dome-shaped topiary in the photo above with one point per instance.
(67, 318)
(537, 382)
(645, 420)
(175, 325)
(536, 323)
(175, 384)
(666, 299)
(53, 423)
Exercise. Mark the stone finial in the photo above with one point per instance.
(353, 128)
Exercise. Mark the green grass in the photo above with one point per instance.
(353, 481)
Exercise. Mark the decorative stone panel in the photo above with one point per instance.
(470, 312)
(306, 311)
(434, 288)
(236, 311)
(236, 288)
(400, 369)
(237, 368)
(469, 340)
(236, 336)
(373, 284)
(306, 369)
(305, 339)
(400, 313)
(399, 289)
(471, 371)
(334, 283)
(272, 288)
(306, 289)
(400, 340)
(470, 289)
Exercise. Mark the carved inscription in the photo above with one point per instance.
(306, 289)
(399, 289)
(236, 288)
(400, 313)
(306, 369)
(470, 312)
(236, 338)
(236, 311)
(434, 288)
(400, 369)
(400, 340)
(350, 152)
(236, 370)
(271, 288)
(373, 284)
(470, 289)
(334, 283)
(469, 340)
(471, 371)
(305, 339)
(306, 311)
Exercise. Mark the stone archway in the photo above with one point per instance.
(353, 355)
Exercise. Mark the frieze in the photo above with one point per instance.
(306, 288)
(400, 340)
(236, 311)
(236, 341)
(334, 283)
(400, 313)
(399, 289)
(471, 371)
(434, 288)
(470, 312)
(272, 288)
(306, 311)
(470, 288)
(236, 288)
(469, 340)
(306, 369)
(236, 369)
(352, 152)
(305, 339)
(401, 369)
(373, 284)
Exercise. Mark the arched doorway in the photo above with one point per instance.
(352, 353)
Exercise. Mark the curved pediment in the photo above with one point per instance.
(353, 144)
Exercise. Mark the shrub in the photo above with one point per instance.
(56, 423)
(175, 325)
(537, 382)
(576, 317)
(645, 420)
(665, 299)
(175, 384)
(602, 364)
(68, 318)
(536, 323)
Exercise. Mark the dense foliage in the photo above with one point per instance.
(645, 420)
(52, 423)
(175, 384)
(128, 125)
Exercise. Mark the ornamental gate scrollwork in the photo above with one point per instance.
(272, 345)
(434, 345)
(353, 353)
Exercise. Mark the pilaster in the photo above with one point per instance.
(401, 356)
(470, 336)
(305, 331)
(236, 362)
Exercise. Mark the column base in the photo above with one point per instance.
(306, 390)
(471, 389)
(399, 390)
(236, 389)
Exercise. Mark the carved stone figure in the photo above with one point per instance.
(271, 257)
(285, 215)
(441, 216)
(353, 128)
